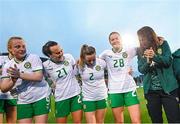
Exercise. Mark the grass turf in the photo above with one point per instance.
(109, 116)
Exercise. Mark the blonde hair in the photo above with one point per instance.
(10, 42)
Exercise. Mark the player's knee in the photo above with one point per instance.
(77, 120)
(136, 120)
(100, 121)
(119, 120)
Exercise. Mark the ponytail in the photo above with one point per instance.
(85, 50)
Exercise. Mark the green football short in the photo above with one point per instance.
(89, 106)
(5, 103)
(64, 107)
(40, 107)
(123, 99)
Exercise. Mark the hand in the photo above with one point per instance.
(14, 72)
(53, 85)
(147, 55)
(130, 71)
(151, 53)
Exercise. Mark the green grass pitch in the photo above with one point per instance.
(109, 117)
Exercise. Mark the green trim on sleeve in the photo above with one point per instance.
(37, 70)
(5, 77)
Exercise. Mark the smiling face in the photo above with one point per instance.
(90, 59)
(115, 41)
(17, 48)
(56, 53)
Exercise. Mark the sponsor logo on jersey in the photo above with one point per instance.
(98, 68)
(159, 51)
(27, 65)
(66, 63)
(124, 55)
(110, 56)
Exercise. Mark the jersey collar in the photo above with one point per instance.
(61, 62)
(117, 51)
(17, 61)
(91, 66)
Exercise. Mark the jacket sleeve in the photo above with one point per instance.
(176, 68)
(143, 66)
(164, 56)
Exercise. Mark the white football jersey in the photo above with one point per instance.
(28, 91)
(118, 64)
(62, 74)
(3, 61)
(93, 82)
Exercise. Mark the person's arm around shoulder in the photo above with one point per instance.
(103, 55)
(132, 52)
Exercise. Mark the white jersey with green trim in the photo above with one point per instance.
(118, 64)
(93, 82)
(63, 75)
(28, 91)
(3, 61)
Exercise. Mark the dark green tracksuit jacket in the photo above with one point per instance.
(176, 64)
(163, 60)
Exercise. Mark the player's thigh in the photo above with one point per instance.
(62, 108)
(116, 100)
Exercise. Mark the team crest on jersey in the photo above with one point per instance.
(125, 55)
(98, 68)
(66, 63)
(159, 51)
(27, 65)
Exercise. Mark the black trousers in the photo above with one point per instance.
(179, 93)
(158, 99)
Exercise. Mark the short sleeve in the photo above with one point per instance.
(4, 71)
(132, 52)
(72, 60)
(1, 61)
(36, 63)
(103, 63)
(102, 55)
